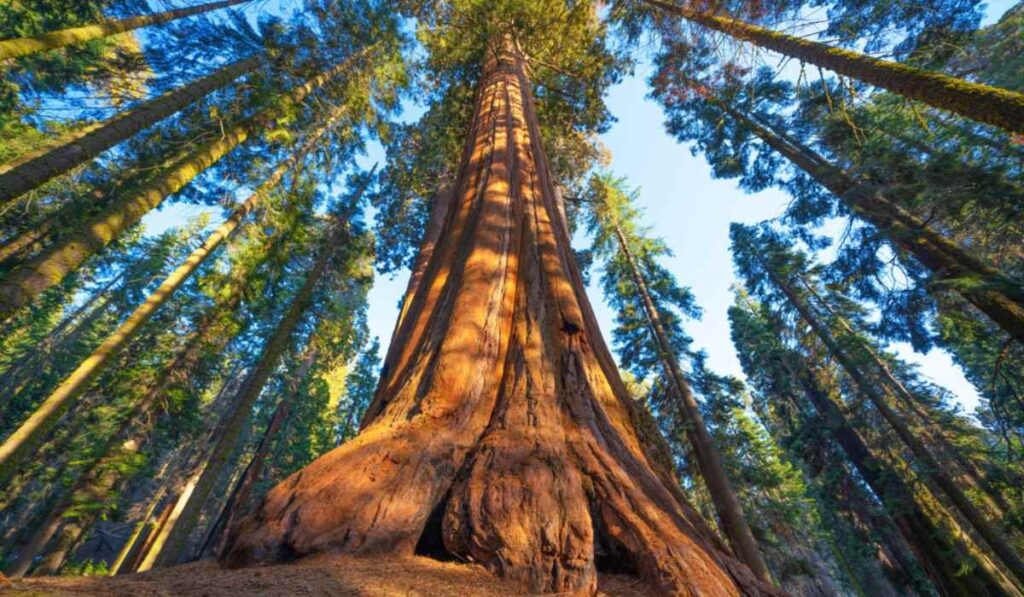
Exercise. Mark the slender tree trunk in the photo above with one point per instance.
(74, 528)
(501, 432)
(101, 475)
(242, 491)
(23, 46)
(929, 467)
(33, 169)
(23, 284)
(926, 540)
(727, 505)
(983, 103)
(996, 294)
(894, 556)
(137, 530)
(147, 544)
(933, 432)
(221, 408)
(158, 539)
(175, 549)
(20, 444)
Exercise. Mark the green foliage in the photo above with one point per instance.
(773, 494)
(797, 487)
(360, 385)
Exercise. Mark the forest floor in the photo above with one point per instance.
(320, 575)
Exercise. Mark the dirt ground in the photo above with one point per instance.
(321, 575)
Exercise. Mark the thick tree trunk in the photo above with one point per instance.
(24, 283)
(983, 103)
(175, 549)
(929, 467)
(994, 293)
(501, 428)
(709, 461)
(439, 209)
(33, 169)
(20, 444)
(23, 46)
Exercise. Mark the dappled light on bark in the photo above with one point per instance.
(499, 405)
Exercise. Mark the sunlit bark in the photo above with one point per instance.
(983, 103)
(23, 46)
(69, 252)
(228, 434)
(19, 445)
(501, 430)
(33, 169)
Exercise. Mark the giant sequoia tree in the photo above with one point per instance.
(167, 395)
(501, 377)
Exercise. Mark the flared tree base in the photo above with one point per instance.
(500, 429)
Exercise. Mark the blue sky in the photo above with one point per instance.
(683, 204)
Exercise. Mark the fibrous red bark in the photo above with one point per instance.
(500, 423)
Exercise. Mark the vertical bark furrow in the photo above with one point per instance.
(424, 331)
(498, 403)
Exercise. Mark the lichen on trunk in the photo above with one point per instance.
(501, 424)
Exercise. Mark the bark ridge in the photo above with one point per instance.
(500, 422)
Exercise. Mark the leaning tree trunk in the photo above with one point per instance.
(175, 549)
(19, 445)
(930, 468)
(26, 369)
(502, 427)
(931, 545)
(242, 491)
(931, 430)
(983, 103)
(994, 293)
(33, 169)
(133, 433)
(709, 461)
(137, 531)
(23, 46)
(891, 571)
(24, 283)
(187, 466)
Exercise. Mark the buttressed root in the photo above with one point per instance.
(501, 431)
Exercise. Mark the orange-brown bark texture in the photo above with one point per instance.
(500, 429)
